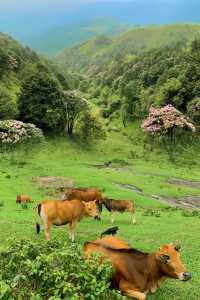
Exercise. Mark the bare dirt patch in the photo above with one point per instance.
(184, 182)
(183, 202)
(53, 182)
(130, 187)
(118, 166)
(190, 202)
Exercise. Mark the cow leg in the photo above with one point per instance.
(129, 290)
(72, 227)
(112, 216)
(133, 218)
(47, 228)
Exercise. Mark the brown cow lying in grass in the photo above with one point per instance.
(54, 212)
(119, 206)
(138, 273)
(23, 199)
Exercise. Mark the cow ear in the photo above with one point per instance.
(177, 248)
(164, 258)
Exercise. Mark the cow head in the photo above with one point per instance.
(170, 263)
(91, 209)
(18, 200)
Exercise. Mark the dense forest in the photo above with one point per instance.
(102, 80)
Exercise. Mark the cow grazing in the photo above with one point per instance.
(138, 273)
(54, 212)
(23, 199)
(119, 206)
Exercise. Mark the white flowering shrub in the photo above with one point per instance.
(13, 133)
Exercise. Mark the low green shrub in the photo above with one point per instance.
(191, 213)
(24, 206)
(52, 270)
(151, 212)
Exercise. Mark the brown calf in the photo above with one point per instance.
(119, 206)
(54, 212)
(23, 199)
(138, 273)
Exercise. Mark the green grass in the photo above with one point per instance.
(66, 158)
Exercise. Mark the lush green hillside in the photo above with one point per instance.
(139, 39)
(17, 65)
(150, 172)
(57, 39)
(125, 83)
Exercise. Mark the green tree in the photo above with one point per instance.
(169, 92)
(131, 97)
(91, 127)
(42, 101)
(193, 110)
(8, 104)
(75, 106)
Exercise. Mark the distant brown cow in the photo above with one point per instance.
(119, 206)
(84, 194)
(138, 273)
(54, 212)
(23, 199)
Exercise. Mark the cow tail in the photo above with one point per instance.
(38, 211)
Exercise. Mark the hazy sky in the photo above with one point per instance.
(30, 5)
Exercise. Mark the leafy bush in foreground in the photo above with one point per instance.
(52, 270)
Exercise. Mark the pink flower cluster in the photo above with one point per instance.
(162, 120)
(14, 132)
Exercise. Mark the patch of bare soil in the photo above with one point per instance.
(184, 202)
(130, 187)
(183, 182)
(53, 182)
(114, 167)
(190, 202)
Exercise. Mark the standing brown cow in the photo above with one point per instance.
(84, 194)
(54, 212)
(138, 273)
(23, 199)
(119, 206)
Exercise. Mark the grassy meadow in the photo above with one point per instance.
(148, 171)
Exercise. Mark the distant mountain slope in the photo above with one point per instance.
(51, 20)
(56, 39)
(139, 39)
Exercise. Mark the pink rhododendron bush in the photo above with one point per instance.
(170, 128)
(14, 133)
(165, 121)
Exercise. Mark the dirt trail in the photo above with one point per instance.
(184, 182)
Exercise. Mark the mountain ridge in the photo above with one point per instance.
(134, 41)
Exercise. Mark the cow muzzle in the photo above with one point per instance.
(185, 276)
